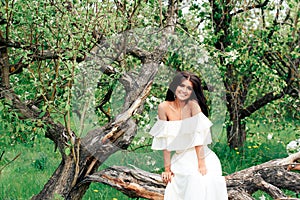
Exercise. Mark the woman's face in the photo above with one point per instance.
(184, 90)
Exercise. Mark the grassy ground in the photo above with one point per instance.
(25, 176)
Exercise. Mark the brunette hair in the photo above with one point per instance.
(197, 93)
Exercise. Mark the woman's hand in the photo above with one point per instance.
(202, 167)
(167, 176)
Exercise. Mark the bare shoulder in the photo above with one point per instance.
(193, 103)
(195, 108)
(163, 105)
(162, 108)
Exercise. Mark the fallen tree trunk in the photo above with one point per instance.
(270, 177)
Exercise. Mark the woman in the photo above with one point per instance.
(194, 172)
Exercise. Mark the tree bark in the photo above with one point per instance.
(270, 177)
(4, 65)
(236, 130)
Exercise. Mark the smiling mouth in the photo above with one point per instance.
(183, 95)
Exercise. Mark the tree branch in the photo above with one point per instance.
(261, 102)
(104, 101)
(251, 7)
(283, 68)
(272, 190)
(7, 43)
(132, 182)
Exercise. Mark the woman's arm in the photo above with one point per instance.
(199, 149)
(167, 160)
(201, 159)
(167, 175)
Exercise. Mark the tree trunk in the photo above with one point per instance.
(4, 66)
(236, 130)
(236, 133)
(270, 177)
(235, 97)
(66, 180)
(64, 175)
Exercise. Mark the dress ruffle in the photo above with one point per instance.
(181, 134)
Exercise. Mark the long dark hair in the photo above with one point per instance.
(197, 93)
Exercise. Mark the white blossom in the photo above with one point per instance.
(293, 146)
(270, 136)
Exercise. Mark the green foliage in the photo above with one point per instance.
(64, 32)
(16, 130)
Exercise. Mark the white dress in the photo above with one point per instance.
(182, 136)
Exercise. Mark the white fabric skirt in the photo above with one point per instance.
(189, 184)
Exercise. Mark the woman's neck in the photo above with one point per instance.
(179, 104)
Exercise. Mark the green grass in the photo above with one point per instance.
(251, 154)
(259, 148)
(26, 176)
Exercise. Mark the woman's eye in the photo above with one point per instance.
(189, 88)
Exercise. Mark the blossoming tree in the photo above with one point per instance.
(63, 50)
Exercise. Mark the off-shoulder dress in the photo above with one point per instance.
(182, 136)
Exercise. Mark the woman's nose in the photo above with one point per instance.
(184, 89)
